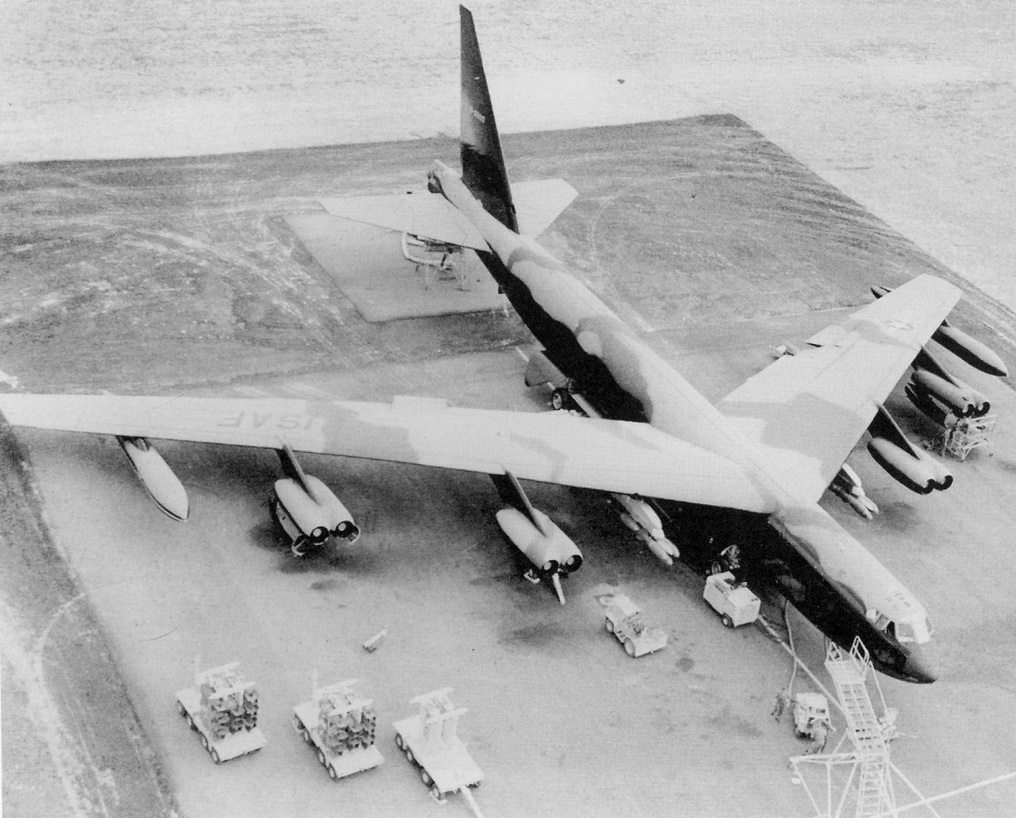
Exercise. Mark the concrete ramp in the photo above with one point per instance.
(367, 264)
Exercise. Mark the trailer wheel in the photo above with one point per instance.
(727, 621)
(215, 756)
(436, 793)
(332, 774)
(204, 741)
(190, 722)
(559, 399)
(425, 776)
(321, 757)
(629, 647)
(181, 709)
(410, 756)
(306, 736)
(399, 741)
(608, 624)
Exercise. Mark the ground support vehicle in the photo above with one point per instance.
(222, 707)
(624, 620)
(429, 740)
(810, 710)
(732, 600)
(340, 725)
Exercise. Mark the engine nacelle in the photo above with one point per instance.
(551, 551)
(847, 486)
(311, 520)
(970, 350)
(962, 400)
(915, 469)
(159, 480)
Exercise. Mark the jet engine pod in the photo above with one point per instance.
(915, 469)
(162, 485)
(311, 518)
(549, 547)
(964, 401)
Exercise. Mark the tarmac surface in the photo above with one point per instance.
(182, 276)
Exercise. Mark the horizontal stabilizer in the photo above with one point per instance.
(432, 216)
(427, 215)
(538, 203)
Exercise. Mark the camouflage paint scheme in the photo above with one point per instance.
(790, 428)
(767, 452)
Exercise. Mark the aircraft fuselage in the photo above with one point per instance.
(801, 552)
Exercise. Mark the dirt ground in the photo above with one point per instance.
(181, 276)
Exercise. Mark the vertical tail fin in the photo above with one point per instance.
(483, 170)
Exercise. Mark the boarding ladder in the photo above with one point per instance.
(849, 673)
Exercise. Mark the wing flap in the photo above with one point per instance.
(629, 458)
(813, 407)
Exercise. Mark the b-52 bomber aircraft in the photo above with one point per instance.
(765, 454)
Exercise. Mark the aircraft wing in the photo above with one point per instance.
(431, 216)
(810, 409)
(551, 447)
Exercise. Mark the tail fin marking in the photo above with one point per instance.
(483, 169)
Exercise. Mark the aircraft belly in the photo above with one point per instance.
(773, 566)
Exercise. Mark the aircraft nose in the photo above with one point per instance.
(922, 663)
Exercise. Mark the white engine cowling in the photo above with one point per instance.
(918, 471)
(552, 552)
(317, 517)
(964, 401)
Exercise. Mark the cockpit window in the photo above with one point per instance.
(878, 619)
(919, 632)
